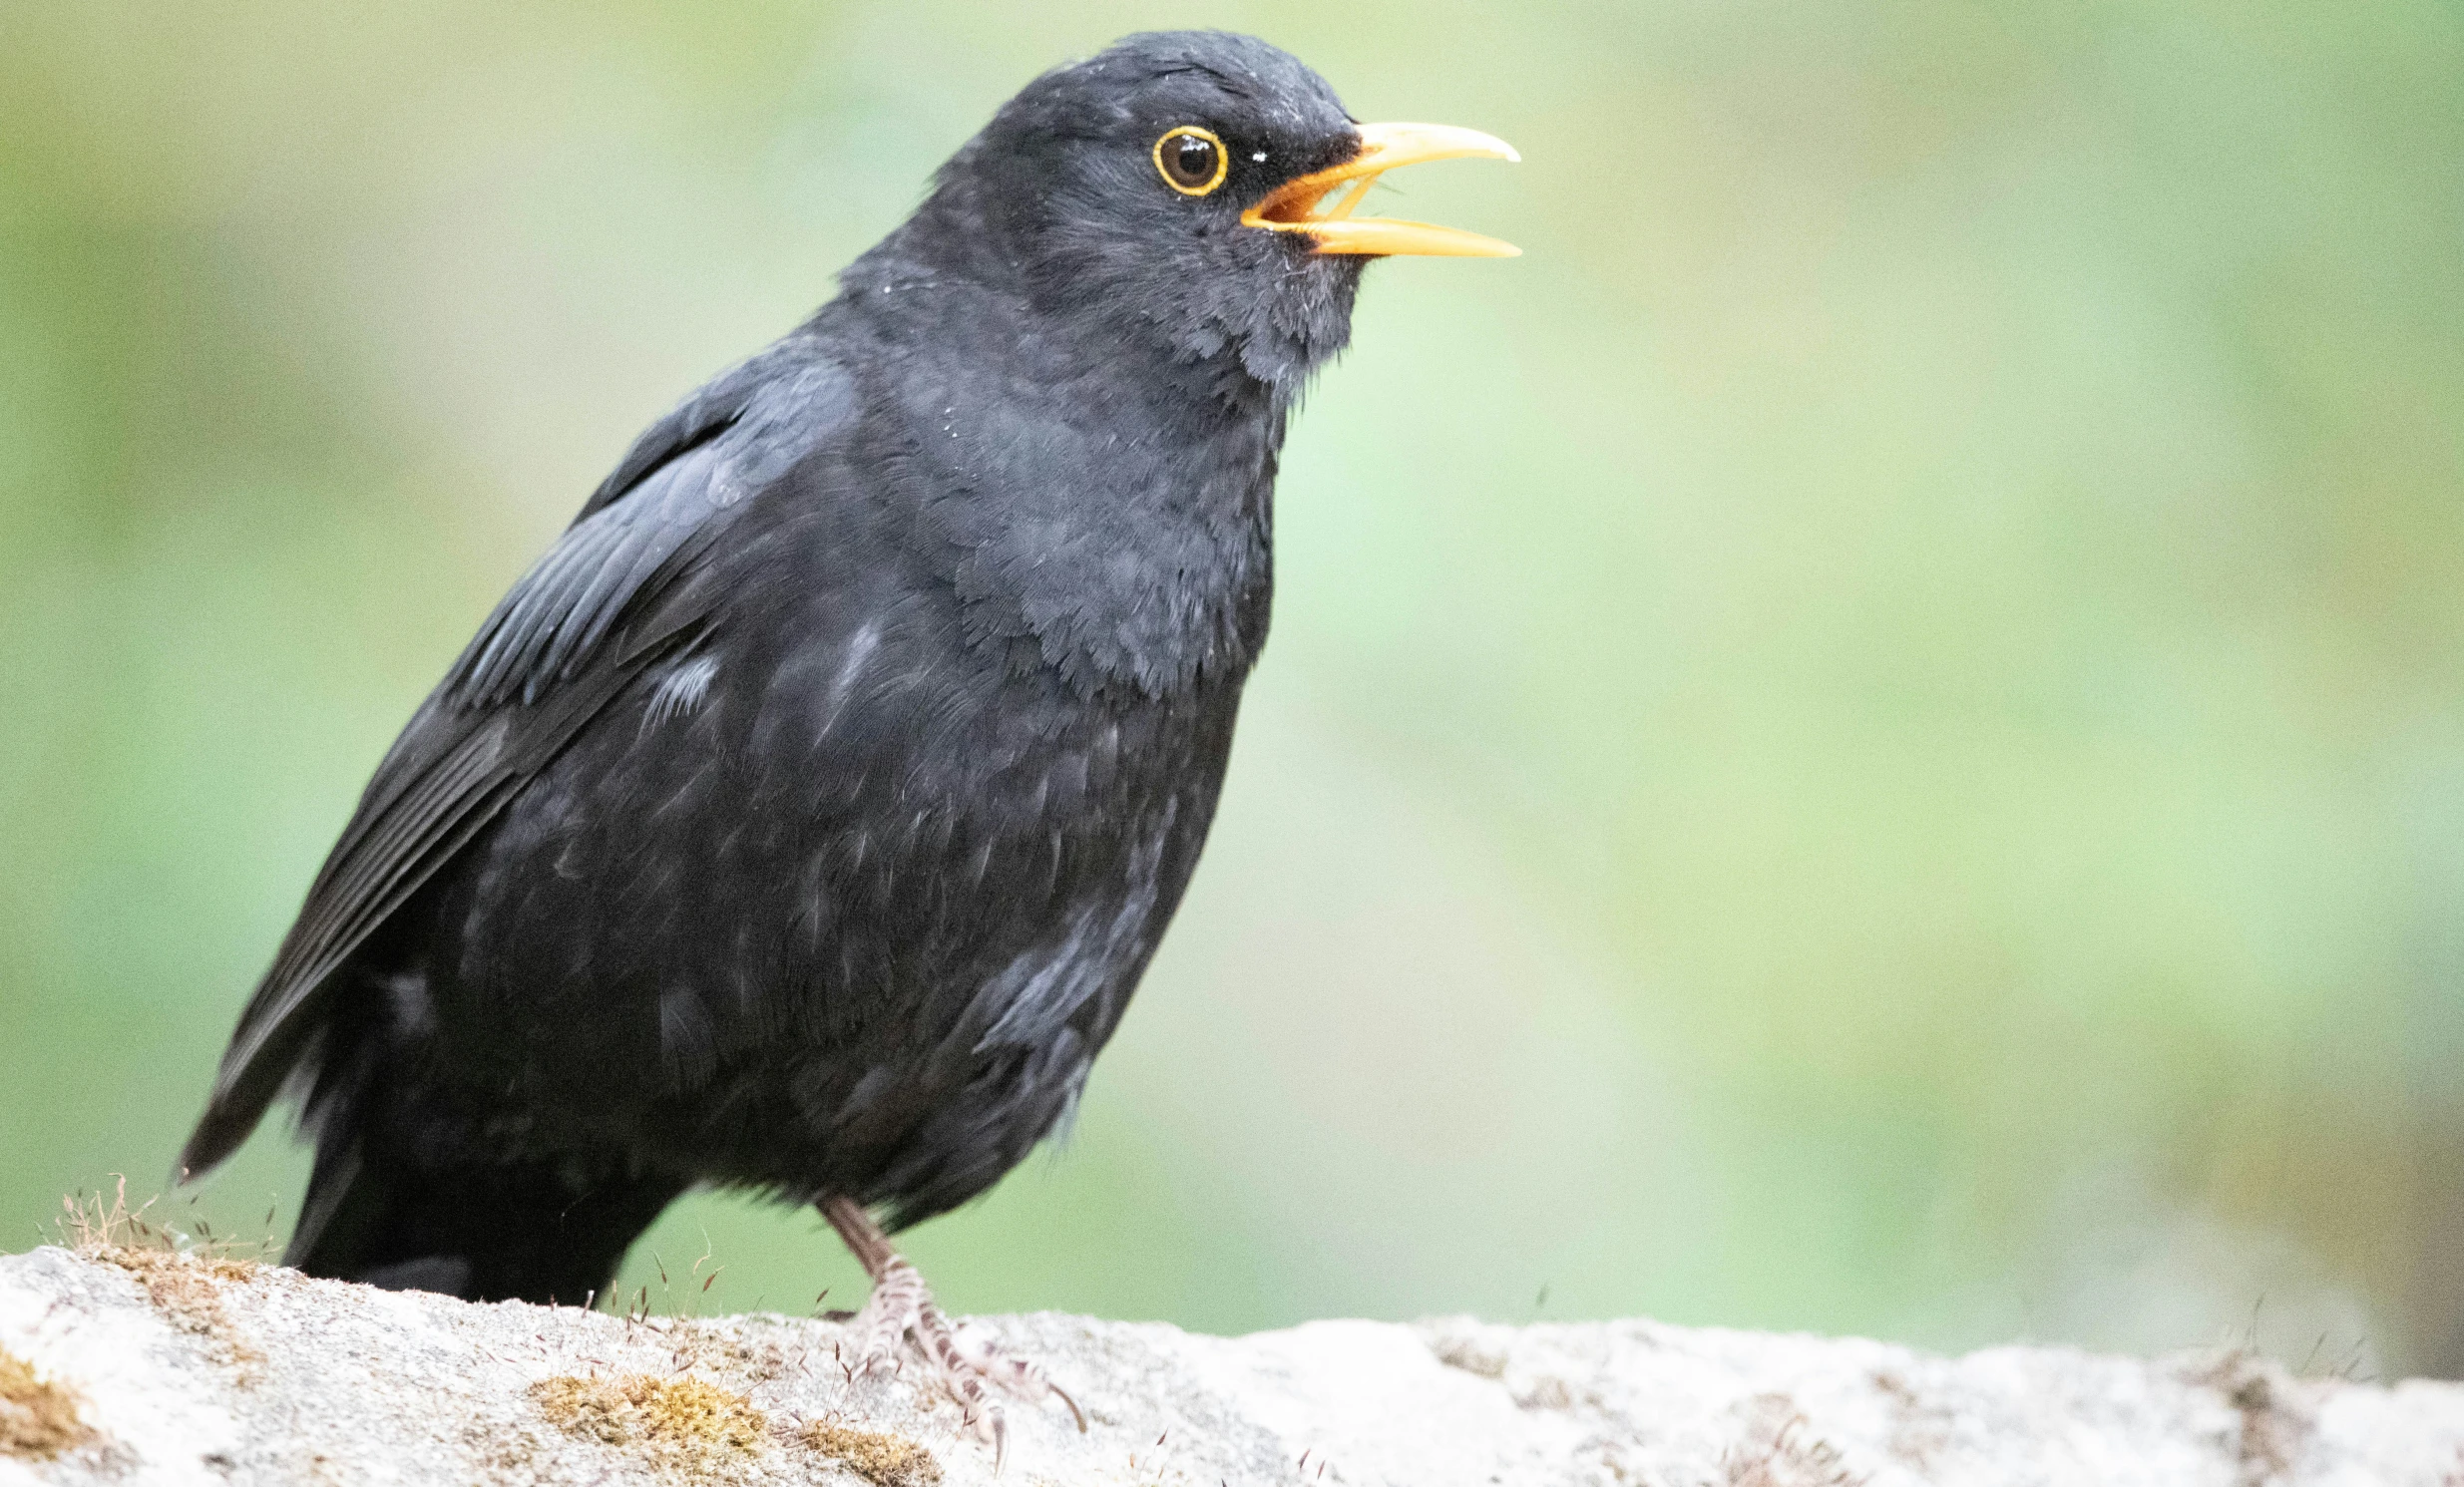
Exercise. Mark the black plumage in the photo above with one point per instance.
(802, 821)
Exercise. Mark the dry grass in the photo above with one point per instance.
(182, 1275)
(2276, 1421)
(680, 1417)
(38, 1417)
(883, 1460)
(1471, 1355)
(94, 1227)
(186, 1289)
(1777, 1452)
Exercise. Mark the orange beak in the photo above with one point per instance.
(1300, 205)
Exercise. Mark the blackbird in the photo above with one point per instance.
(802, 821)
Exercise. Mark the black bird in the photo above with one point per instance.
(802, 821)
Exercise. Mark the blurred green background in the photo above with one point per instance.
(1871, 738)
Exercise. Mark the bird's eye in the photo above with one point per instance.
(1191, 159)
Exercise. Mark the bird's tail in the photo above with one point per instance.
(536, 1232)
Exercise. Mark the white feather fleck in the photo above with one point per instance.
(683, 689)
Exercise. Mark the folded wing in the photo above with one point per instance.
(607, 601)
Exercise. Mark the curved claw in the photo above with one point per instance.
(1076, 1413)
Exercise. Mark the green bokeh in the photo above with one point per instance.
(1869, 738)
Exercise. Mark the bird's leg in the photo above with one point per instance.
(901, 1307)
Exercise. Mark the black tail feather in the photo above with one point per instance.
(537, 1232)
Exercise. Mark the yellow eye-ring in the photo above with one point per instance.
(1191, 159)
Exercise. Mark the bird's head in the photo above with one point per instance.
(1196, 192)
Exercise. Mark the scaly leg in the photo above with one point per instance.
(901, 1308)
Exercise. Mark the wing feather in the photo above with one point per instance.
(537, 674)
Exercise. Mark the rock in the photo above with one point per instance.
(140, 1366)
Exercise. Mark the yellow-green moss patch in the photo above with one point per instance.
(684, 1417)
(883, 1460)
(38, 1417)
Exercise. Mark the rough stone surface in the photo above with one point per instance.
(182, 1370)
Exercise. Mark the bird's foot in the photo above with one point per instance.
(973, 1369)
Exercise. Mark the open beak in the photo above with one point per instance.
(1301, 204)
